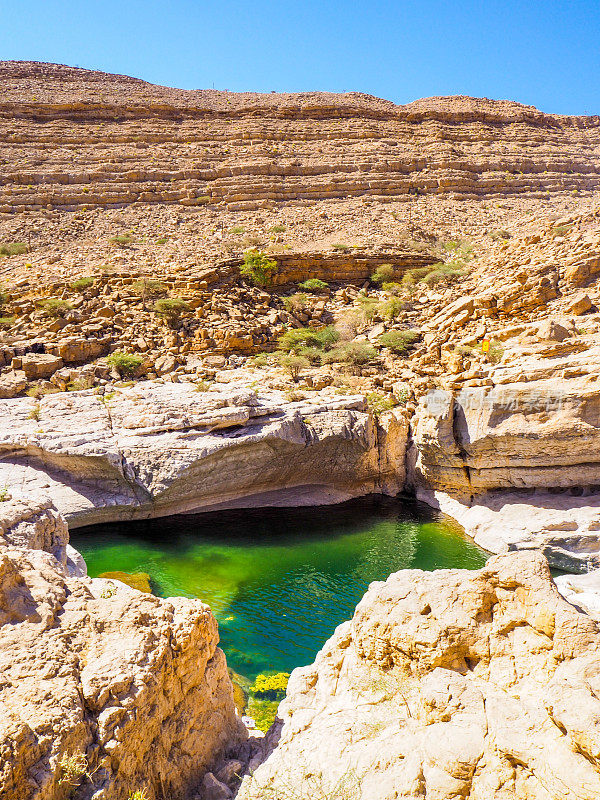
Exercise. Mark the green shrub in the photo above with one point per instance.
(55, 307)
(495, 352)
(297, 338)
(450, 271)
(293, 364)
(82, 283)
(391, 308)
(277, 229)
(73, 768)
(263, 712)
(258, 267)
(355, 354)
(393, 287)
(171, 309)
(237, 230)
(270, 687)
(313, 354)
(145, 288)
(367, 308)
(126, 364)
(149, 288)
(139, 794)
(342, 248)
(378, 402)
(314, 285)
(6, 322)
(260, 360)
(383, 274)
(398, 341)
(122, 240)
(13, 249)
(295, 302)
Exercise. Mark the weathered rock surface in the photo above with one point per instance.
(157, 449)
(561, 525)
(444, 685)
(533, 434)
(133, 687)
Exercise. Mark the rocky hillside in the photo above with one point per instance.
(74, 138)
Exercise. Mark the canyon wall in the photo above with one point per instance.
(105, 690)
(75, 138)
(157, 449)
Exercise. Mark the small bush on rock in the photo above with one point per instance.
(398, 341)
(55, 307)
(298, 338)
(74, 768)
(314, 285)
(122, 240)
(382, 274)
(126, 364)
(293, 364)
(258, 267)
(13, 249)
(354, 354)
(171, 309)
(82, 283)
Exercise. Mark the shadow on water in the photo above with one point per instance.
(279, 580)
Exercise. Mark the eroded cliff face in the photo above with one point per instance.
(158, 449)
(105, 690)
(446, 684)
(216, 147)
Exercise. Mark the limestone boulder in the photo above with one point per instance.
(105, 691)
(40, 365)
(12, 384)
(455, 683)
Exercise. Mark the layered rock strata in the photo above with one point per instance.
(446, 684)
(81, 138)
(156, 449)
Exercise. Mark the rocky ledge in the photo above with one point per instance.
(447, 684)
(104, 690)
(155, 449)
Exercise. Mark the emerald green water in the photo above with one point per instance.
(278, 580)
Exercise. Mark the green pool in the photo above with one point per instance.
(278, 580)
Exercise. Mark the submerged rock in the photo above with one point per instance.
(135, 580)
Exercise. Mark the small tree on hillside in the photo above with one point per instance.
(258, 267)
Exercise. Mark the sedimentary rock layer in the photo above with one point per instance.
(157, 449)
(74, 138)
(446, 684)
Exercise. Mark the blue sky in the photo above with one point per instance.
(542, 52)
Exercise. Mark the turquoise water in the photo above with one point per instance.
(278, 580)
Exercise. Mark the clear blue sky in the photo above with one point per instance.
(542, 52)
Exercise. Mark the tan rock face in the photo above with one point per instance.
(104, 689)
(446, 684)
(155, 449)
(531, 434)
(130, 689)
